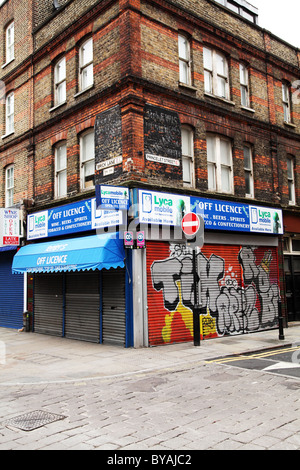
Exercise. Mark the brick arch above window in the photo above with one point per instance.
(82, 126)
(58, 137)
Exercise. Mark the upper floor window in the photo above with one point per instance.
(184, 60)
(9, 113)
(87, 157)
(86, 75)
(9, 186)
(244, 85)
(187, 140)
(219, 164)
(248, 171)
(60, 82)
(10, 42)
(286, 102)
(61, 170)
(216, 80)
(291, 180)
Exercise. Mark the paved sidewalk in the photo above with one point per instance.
(33, 358)
(88, 396)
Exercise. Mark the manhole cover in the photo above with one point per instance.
(33, 420)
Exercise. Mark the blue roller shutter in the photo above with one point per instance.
(11, 293)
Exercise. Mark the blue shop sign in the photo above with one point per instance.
(232, 216)
(71, 218)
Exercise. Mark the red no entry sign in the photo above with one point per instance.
(190, 224)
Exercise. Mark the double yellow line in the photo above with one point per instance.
(244, 357)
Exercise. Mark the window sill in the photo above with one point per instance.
(83, 91)
(186, 86)
(7, 63)
(7, 135)
(57, 106)
(289, 124)
(250, 110)
(219, 98)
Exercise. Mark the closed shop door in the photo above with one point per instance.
(82, 310)
(11, 293)
(113, 306)
(239, 291)
(48, 304)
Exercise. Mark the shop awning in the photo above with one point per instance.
(74, 254)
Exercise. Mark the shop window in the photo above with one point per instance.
(187, 139)
(248, 171)
(61, 170)
(87, 157)
(60, 82)
(219, 164)
(184, 52)
(216, 79)
(86, 74)
(9, 186)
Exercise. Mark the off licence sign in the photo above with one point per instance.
(190, 224)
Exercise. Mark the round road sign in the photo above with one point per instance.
(190, 224)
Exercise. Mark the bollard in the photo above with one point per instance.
(280, 320)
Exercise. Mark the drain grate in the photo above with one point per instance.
(33, 420)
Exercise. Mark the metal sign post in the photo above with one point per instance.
(193, 228)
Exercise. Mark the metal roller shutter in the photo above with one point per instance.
(240, 291)
(11, 293)
(113, 306)
(48, 304)
(82, 311)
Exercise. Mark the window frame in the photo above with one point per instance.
(185, 62)
(84, 162)
(286, 103)
(83, 66)
(291, 180)
(244, 86)
(60, 171)
(188, 156)
(216, 164)
(10, 113)
(212, 75)
(59, 82)
(249, 171)
(9, 189)
(10, 42)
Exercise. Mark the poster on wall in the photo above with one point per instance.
(9, 227)
(162, 208)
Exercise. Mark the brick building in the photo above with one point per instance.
(190, 101)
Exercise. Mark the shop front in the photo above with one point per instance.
(81, 284)
(237, 267)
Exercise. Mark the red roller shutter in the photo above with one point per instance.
(239, 291)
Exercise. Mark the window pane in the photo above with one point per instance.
(186, 170)
(186, 142)
(221, 87)
(243, 74)
(88, 147)
(247, 158)
(248, 182)
(244, 96)
(62, 183)
(207, 58)
(291, 191)
(211, 172)
(211, 152)
(183, 47)
(225, 179)
(183, 72)
(61, 93)
(225, 152)
(207, 81)
(61, 70)
(61, 158)
(86, 52)
(221, 64)
(87, 76)
(296, 247)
